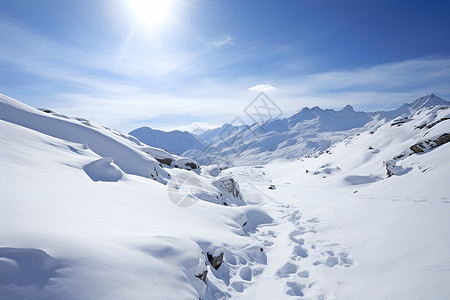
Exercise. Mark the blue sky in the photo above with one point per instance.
(197, 64)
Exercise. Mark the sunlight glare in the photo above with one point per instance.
(150, 12)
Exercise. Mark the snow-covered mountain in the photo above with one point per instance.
(87, 212)
(173, 141)
(411, 108)
(380, 203)
(223, 132)
(308, 130)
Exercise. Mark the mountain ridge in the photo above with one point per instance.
(308, 130)
(175, 141)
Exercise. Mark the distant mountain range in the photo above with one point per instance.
(308, 130)
(175, 141)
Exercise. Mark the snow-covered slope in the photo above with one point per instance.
(411, 108)
(308, 130)
(216, 134)
(81, 217)
(367, 218)
(175, 141)
(393, 158)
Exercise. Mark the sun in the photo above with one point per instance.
(150, 12)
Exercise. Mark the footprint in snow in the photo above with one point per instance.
(342, 259)
(294, 289)
(295, 217)
(299, 231)
(246, 273)
(299, 251)
(286, 270)
(313, 220)
(267, 243)
(238, 286)
(303, 274)
(294, 236)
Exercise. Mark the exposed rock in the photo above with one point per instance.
(426, 145)
(272, 187)
(215, 261)
(416, 149)
(166, 161)
(192, 165)
(400, 121)
(202, 276)
(398, 156)
(230, 185)
(420, 126)
(445, 138)
(437, 122)
(391, 168)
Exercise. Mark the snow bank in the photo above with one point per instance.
(105, 144)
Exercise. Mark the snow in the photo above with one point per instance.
(87, 212)
(129, 159)
(174, 141)
(103, 169)
(308, 130)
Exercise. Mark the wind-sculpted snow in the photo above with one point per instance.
(103, 169)
(119, 236)
(26, 274)
(128, 158)
(366, 218)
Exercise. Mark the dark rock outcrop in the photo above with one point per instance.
(437, 122)
(426, 145)
(215, 261)
(230, 185)
(202, 276)
(166, 161)
(415, 148)
(191, 165)
(400, 121)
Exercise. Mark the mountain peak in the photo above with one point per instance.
(348, 107)
(173, 141)
(426, 101)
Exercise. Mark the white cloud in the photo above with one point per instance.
(225, 40)
(378, 87)
(263, 88)
(121, 90)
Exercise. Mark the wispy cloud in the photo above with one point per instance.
(377, 87)
(225, 40)
(164, 90)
